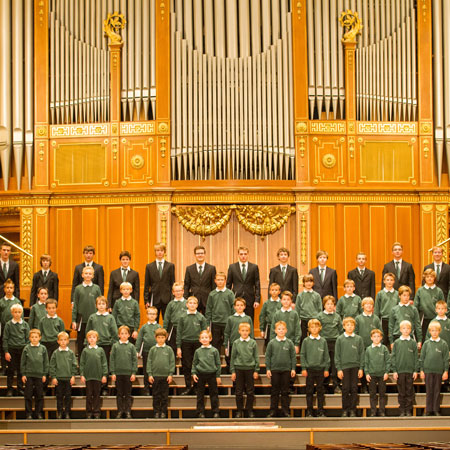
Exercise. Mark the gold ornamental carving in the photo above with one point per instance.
(351, 21)
(137, 162)
(442, 226)
(26, 242)
(329, 161)
(301, 127)
(304, 239)
(426, 127)
(163, 128)
(112, 26)
(9, 211)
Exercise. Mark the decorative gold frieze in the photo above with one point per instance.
(112, 26)
(403, 128)
(137, 128)
(26, 242)
(442, 226)
(79, 130)
(303, 239)
(233, 197)
(319, 127)
(351, 21)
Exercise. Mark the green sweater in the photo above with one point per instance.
(50, 327)
(174, 311)
(349, 352)
(231, 332)
(445, 330)
(34, 362)
(5, 309)
(93, 364)
(126, 312)
(377, 360)
(280, 355)
(385, 302)
(434, 356)
(189, 327)
(84, 298)
(425, 301)
(290, 317)
(331, 325)
(269, 308)
(161, 361)
(37, 312)
(219, 306)
(404, 356)
(105, 326)
(308, 305)
(63, 364)
(364, 326)
(123, 359)
(244, 355)
(15, 335)
(146, 337)
(206, 360)
(404, 312)
(314, 354)
(349, 306)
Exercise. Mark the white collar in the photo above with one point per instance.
(286, 310)
(326, 312)
(45, 271)
(403, 304)
(50, 317)
(405, 338)
(39, 303)
(126, 299)
(18, 321)
(438, 263)
(441, 318)
(429, 287)
(63, 349)
(280, 340)
(398, 261)
(308, 290)
(37, 345)
(207, 346)
(102, 314)
(277, 300)
(95, 346)
(181, 300)
(87, 285)
(160, 346)
(221, 290)
(125, 268)
(239, 315)
(189, 312)
(315, 338)
(244, 340)
(391, 291)
(202, 265)
(283, 265)
(435, 340)
(9, 299)
(349, 296)
(349, 335)
(160, 261)
(243, 264)
(360, 270)
(126, 342)
(367, 315)
(151, 323)
(378, 345)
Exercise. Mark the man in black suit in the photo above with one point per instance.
(199, 278)
(442, 271)
(363, 277)
(403, 271)
(45, 278)
(159, 279)
(118, 276)
(325, 278)
(99, 276)
(284, 274)
(9, 269)
(243, 280)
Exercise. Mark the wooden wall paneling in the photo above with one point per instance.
(352, 242)
(138, 161)
(328, 163)
(41, 237)
(115, 229)
(90, 228)
(379, 245)
(404, 230)
(326, 223)
(427, 233)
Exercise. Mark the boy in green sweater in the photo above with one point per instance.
(376, 368)
(38, 311)
(189, 327)
(160, 369)
(244, 366)
(15, 337)
(308, 304)
(34, 370)
(385, 301)
(50, 326)
(146, 340)
(219, 307)
(63, 368)
(349, 360)
(206, 371)
(175, 309)
(349, 305)
(434, 367)
(269, 308)
(126, 311)
(426, 298)
(405, 365)
(94, 372)
(123, 368)
(315, 362)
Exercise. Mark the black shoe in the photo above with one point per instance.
(20, 393)
(186, 392)
(128, 415)
(321, 413)
(89, 416)
(9, 393)
(216, 415)
(285, 414)
(344, 414)
(201, 415)
(429, 414)
(364, 390)
(381, 414)
(309, 414)
(119, 415)
(97, 416)
(163, 416)
(352, 414)
(251, 414)
(105, 392)
(146, 391)
(408, 414)
(156, 415)
(292, 390)
(238, 415)
(67, 415)
(39, 416)
(337, 390)
(373, 413)
(402, 414)
(59, 415)
(437, 413)
(29, 417)
(271, 414)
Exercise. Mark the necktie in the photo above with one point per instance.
(283, 271)
(361, 272)
(124, 274)
(438, 271)
(322, 274)
(45, 275)
(397, 268)
(200, 270)
(244, 271)
(5, 270)
(160, 267)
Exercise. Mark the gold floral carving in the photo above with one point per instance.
(9, 211)
(426, 127)
(351, 21)
(303, 239)
(442, 226)
(137, 162)
(163, 128)
(301, 127)
(329, 161)
(26, 242)
(112, 25)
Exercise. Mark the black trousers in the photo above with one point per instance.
(124, 399)
(350, 389)
(34, 387)
(13, 367)
(250, 311)
(81, 335)
(385, 327)
(217, 330)
(377, 385)
(107, 350)
(280, 382)
(210, 380)
(315, 378)
(2, 353)
(425, 323)
(406, 396)
(433, 382)
(63, 396)
(172, 341)
(161, 307)
(304, 327)
(160, 393)
(245, 383)
(51, 347)
(187, 356)
(333, 372)
(144, 363)
(93, 400)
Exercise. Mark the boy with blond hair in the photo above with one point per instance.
(174, 311)
(385, 301)
(349, 305)
(269, 308)
(308, 304)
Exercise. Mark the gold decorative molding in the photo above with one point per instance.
(80, 130)
(351, 146)
(233, 197)
(301, 127)
(162, 147)
(163, 128)
(41, 131)
(112, 25)
(26, 242)
(162, 9)
(163, 222)
(299, 6)
(137, 128)
(426, 127)
(351, 21)
(302, 142)
(9, 211)
(303, 239)
(442, 226)
(329, 161)
(319, 127)
(389, 128)
(137, 162)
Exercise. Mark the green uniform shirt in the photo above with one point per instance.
(219, 306)
(93, 364)
(123, 359)
(174, 311)
(445, 330)
(404, 312)
(244, 355)
(63, 364)
(314, 354)
(126, 312)
(106, 327)
(290, 317)
(349, 352)
(231, 332)
(161, 361)
(365, 324)
(349, 306)
(15, 335)
(206, 360)
(5, 309)
(308, 305)
(37, 312)
(189, 327)
(34, 362)
(84, 298)
(269, 308)
(385, 302)
(377, 360)
(331, 325)
(146, 337)
(434, 356)
(280, 355)
(404, 356)
(50, 327)
(425, 300)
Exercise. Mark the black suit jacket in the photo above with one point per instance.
(250, 288)
(365, 285)
(13, 274)
(444, 278)
(51, 283)
(115, 280)
(197, 286)
(159, 287)
(329, 285)
(407, 276)
(99, 277)
(290, 282)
